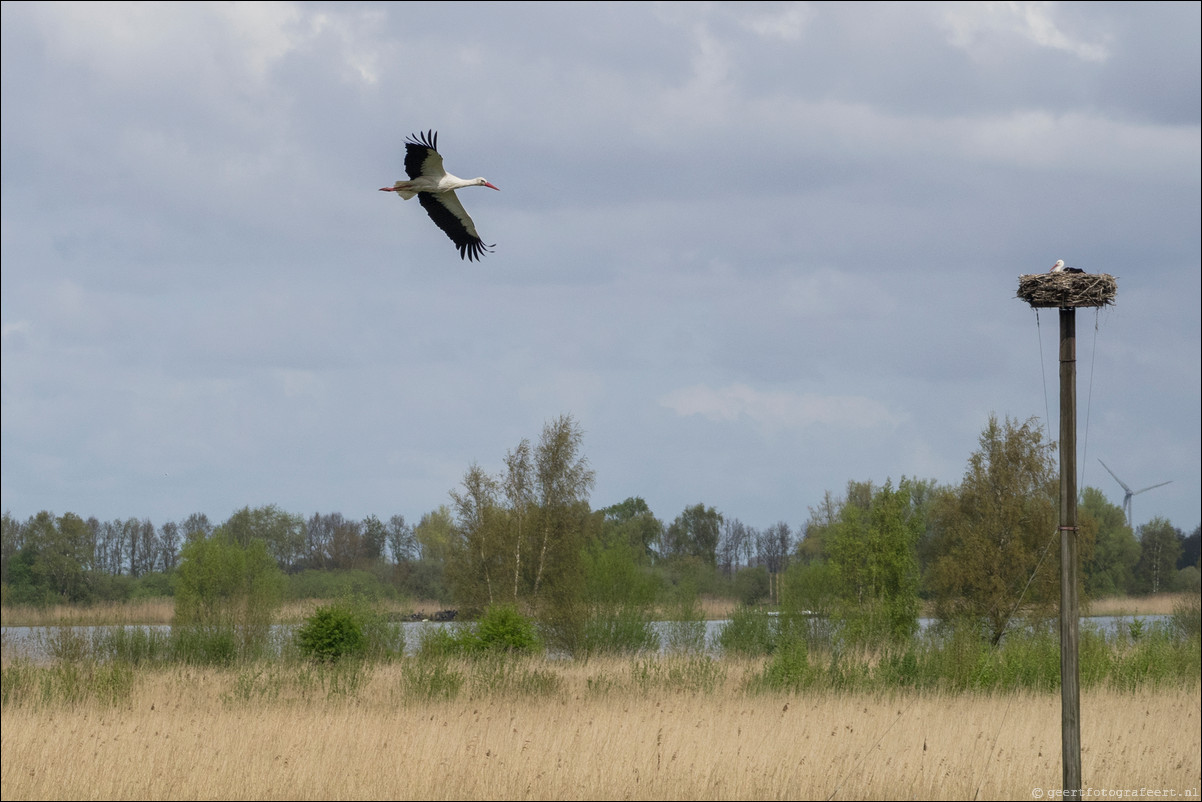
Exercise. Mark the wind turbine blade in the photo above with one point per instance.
(1153, 487)
(1120, 481)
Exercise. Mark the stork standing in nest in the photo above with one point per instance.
(1060, 268)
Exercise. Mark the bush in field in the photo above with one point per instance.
(225, 593)
(502, 628)
(439, 643)
(331, 633)
(349, 627)
(750, 585)
(789, 669)
(621, 630)
(750, 633)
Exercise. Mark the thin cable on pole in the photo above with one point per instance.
(871, 749)
(1043, 374)
(1093, 358)
(993, 745)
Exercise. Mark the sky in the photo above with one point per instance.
(754, 250)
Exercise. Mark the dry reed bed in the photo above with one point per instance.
(180, 736)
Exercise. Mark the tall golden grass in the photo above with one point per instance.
(1157, 604)
(602, 733)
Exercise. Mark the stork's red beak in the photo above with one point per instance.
(388, 189)
(498, 189)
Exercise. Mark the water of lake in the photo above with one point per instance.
(31, 642)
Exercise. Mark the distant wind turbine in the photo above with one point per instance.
(1129, 493)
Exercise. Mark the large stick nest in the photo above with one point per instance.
(1067, 290)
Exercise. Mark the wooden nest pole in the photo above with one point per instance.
(1067, 292)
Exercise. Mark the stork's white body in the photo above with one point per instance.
(435, 190)
(1058, 267)
(444, 183)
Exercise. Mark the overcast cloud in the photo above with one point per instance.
(756, 250)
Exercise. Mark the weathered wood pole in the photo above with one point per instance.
(1070, 685)
(1067, 291)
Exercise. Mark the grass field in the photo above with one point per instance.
(608, 729)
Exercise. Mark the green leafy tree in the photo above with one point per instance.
(51, 560)
(519, 537)
(1159, 547)
(564, 481)
(811, 547)
(435, 533)
(694, 534)
(632, 522)
(11, 539)
(1110, 569)
(477, 565)
(400, 540)
(228, 590)
(811, 589)
(518, 486)
(65, 557)
(375, 538)
(873, 551)
(1190, 548)
(282, 533)
(995, 534)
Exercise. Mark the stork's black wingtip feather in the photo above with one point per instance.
(474, 251)
(426, 139)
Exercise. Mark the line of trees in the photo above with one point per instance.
(527, 536)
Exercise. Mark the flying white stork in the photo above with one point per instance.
(435, 190)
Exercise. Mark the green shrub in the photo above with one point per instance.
(502, 628)
(749, 632)
(435, 642)
(621, 630)
(333, 631)
(204, 645)
(789, 669)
